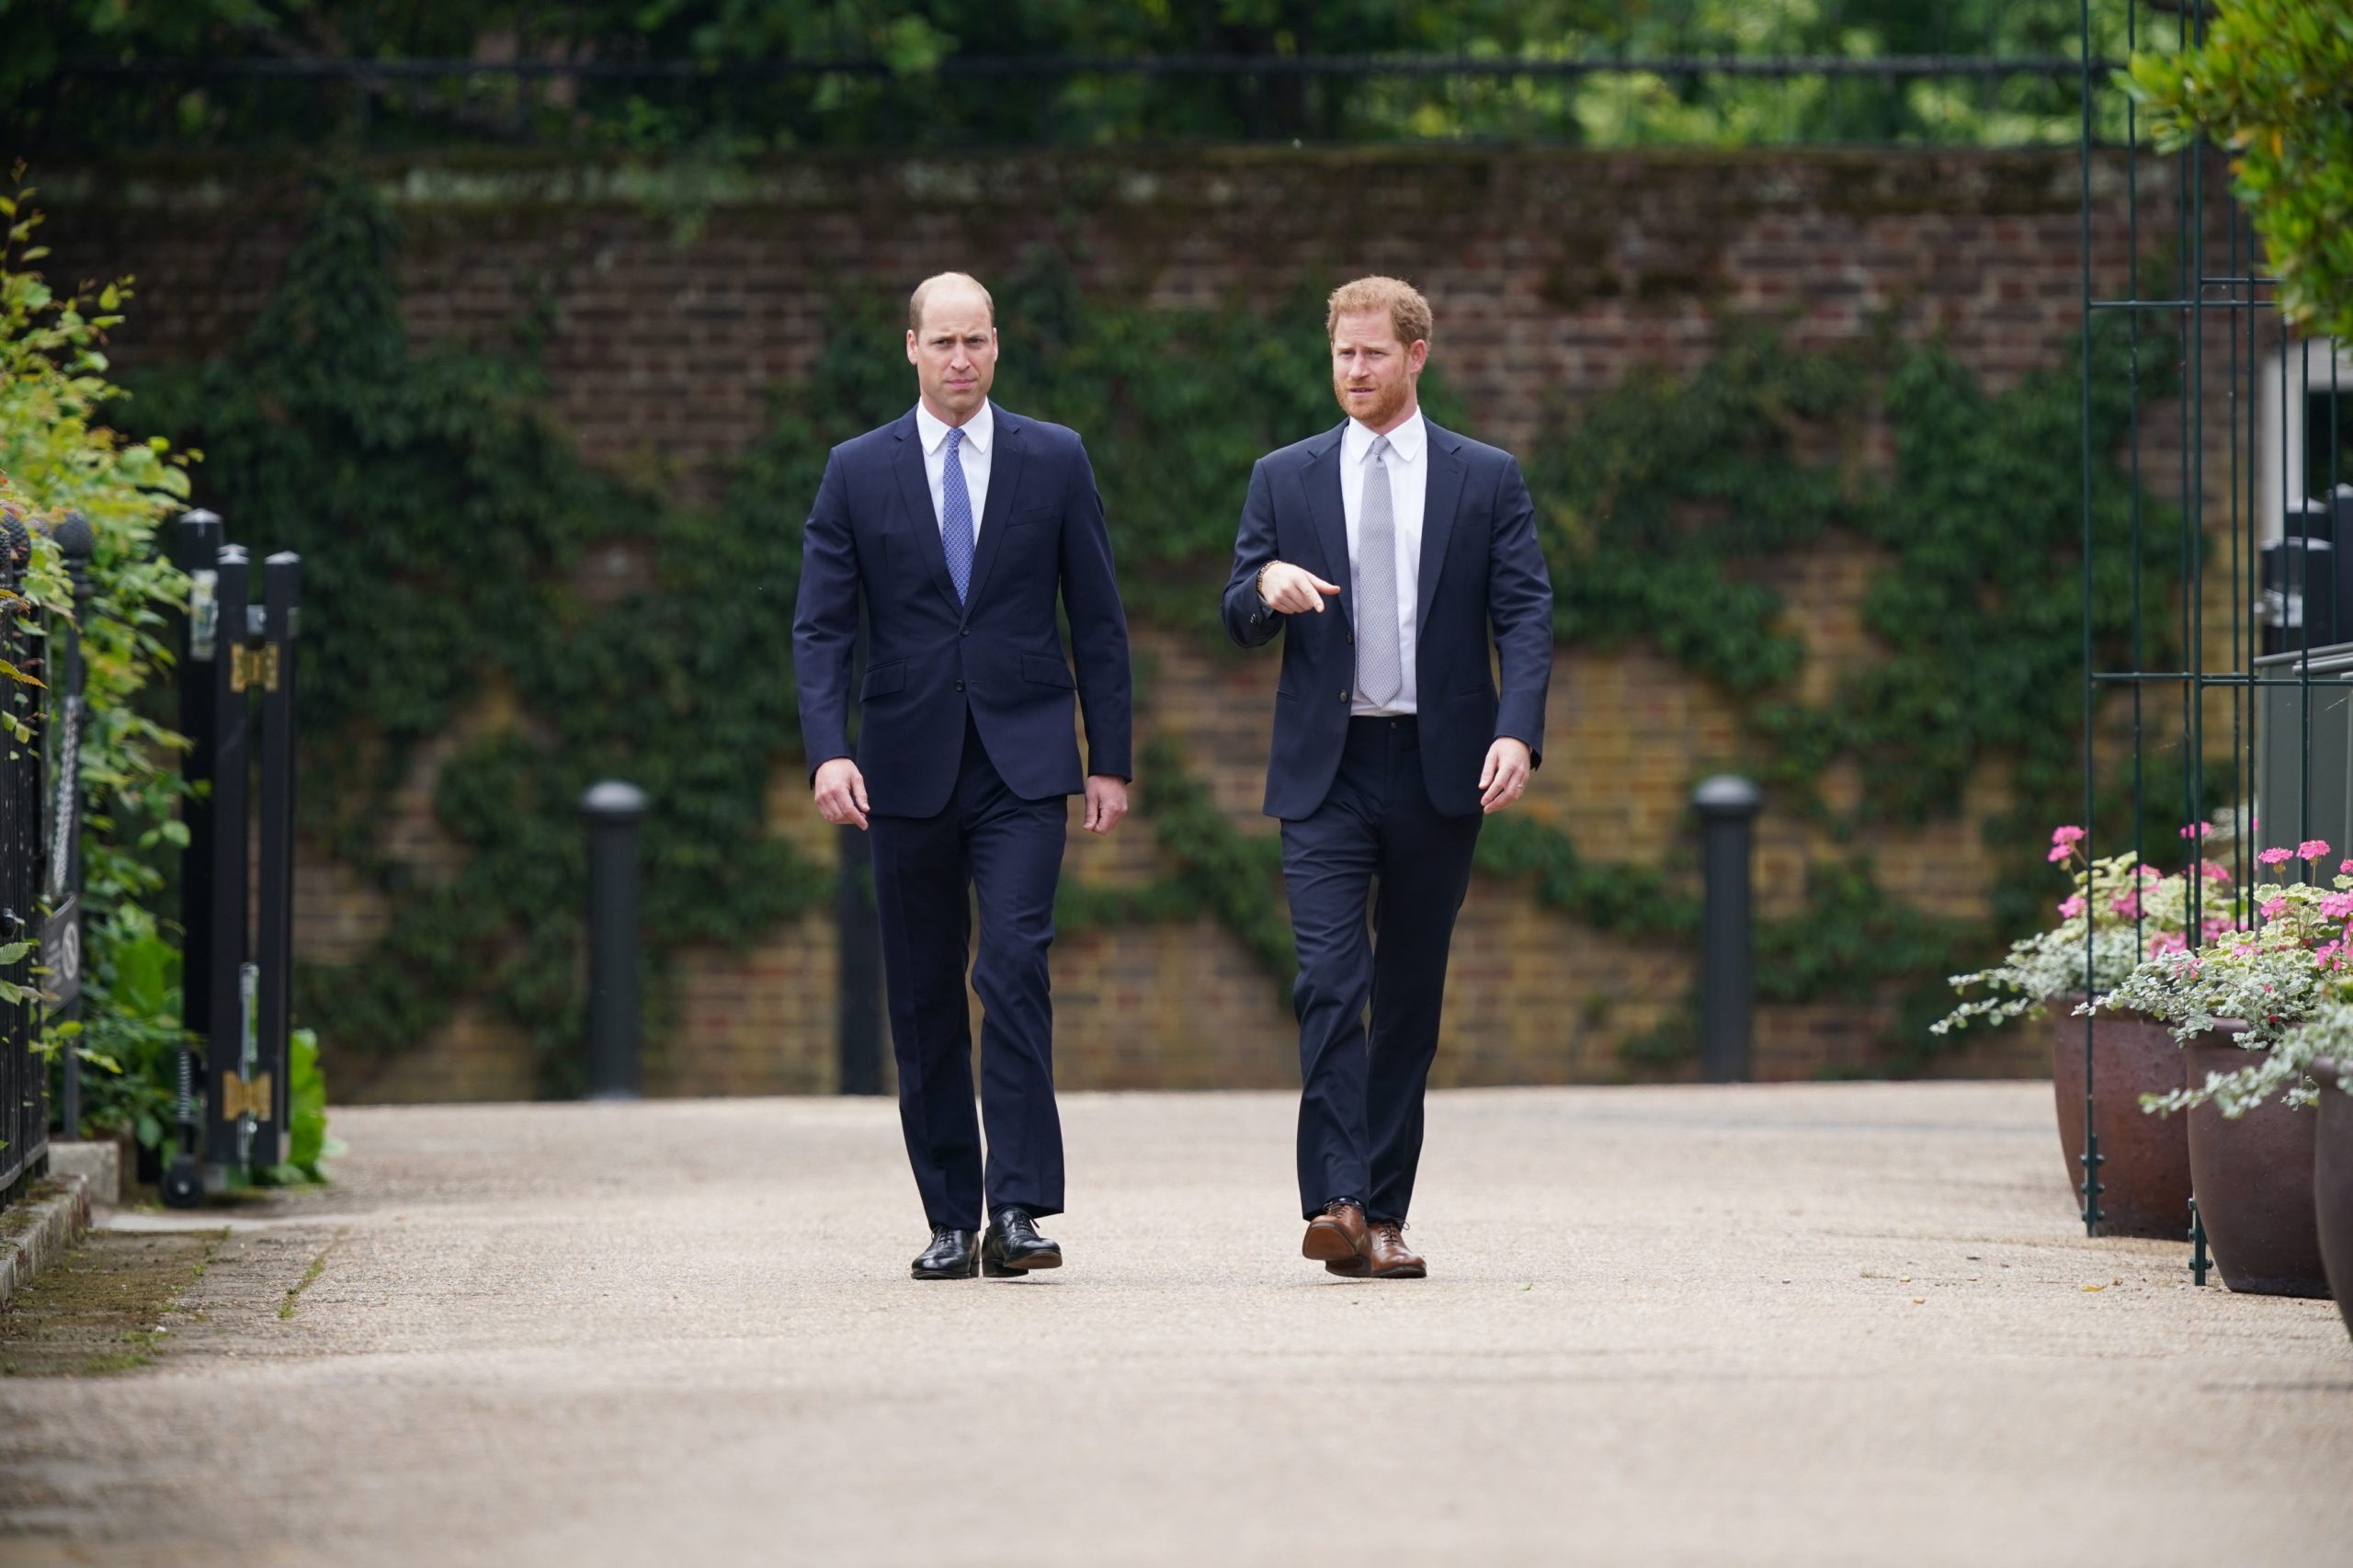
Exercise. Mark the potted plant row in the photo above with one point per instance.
(2256, 1007)
(2121, 914)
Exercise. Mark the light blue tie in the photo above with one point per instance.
(956, 516)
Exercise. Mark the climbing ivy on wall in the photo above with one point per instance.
(446, 526)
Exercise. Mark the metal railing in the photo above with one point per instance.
(40, 857)
(2212, 707)
(24, 1075)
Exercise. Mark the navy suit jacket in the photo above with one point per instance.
(1481, 568)
(931, 660)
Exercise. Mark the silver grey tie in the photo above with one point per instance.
(1380, 670)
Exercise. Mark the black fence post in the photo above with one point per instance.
(1727, 806)
(273, 671)
(615, 811)
(62, 931)
(197, 550)
(236, 1097)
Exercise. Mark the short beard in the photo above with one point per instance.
(1382, 411)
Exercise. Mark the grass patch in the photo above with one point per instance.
(100, 1309)
(309, 1277)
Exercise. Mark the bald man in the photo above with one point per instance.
(962, 526)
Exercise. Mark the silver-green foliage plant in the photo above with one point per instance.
(2121, 912)
(2274, 983)
(61, 453)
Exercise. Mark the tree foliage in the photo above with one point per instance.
(2272, 81)
(911, 94)
(60, 454)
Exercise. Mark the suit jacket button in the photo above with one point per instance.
(965, 631)
(959, 686)
(1344, 697)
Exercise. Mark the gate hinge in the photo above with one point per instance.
(253, 666)
(239, 1097)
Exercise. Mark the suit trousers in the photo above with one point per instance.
(1375, 845)
(993, 848)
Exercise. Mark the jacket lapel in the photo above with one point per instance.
(1438, 505)
(1005, 478)
(1322, 477)
(915, 489)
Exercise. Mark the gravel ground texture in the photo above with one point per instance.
(1804, 1324)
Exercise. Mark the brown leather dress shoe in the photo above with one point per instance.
(1336, 1238)
(1387, 1254)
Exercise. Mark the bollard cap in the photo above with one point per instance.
(612, 798)
(1728, 795)
(73, 536)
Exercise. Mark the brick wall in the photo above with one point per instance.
(1552, 273)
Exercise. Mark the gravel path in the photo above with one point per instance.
(1814, 1324)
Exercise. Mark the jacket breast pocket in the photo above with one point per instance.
(1033, 515)
(1039, 670)
(884, 679)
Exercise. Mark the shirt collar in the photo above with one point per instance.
(1406, 442)
(979, 430)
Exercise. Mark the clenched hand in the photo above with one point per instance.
(840, 789)
(1506, 775)
(1106, 801)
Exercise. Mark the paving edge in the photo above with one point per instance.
(37, 1232)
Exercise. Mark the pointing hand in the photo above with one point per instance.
(1294, 590)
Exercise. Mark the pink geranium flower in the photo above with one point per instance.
(2066, 835)
(2274, 909)
(2276, 857)
(2072, 907)
(2213, 872)
(2311, 849)
(2198, 830)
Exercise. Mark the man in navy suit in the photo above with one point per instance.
(1384, 553)
(961, 525)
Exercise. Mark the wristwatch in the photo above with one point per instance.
(1259, 583)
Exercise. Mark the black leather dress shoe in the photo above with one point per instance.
(952, 1254)
(1013, 1246)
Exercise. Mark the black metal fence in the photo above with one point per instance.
(40, 859)
(2210, 711)
(24, 1075)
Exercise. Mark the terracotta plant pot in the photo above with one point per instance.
(2333, 1181)
(2253, 1178)
(2144, 1160)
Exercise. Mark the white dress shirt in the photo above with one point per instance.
(1409, 483)
(980, 434)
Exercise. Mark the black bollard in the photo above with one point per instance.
(1728, 806)
(614, 810)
